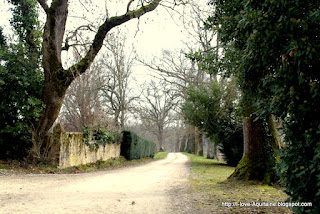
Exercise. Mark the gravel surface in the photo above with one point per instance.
(157, 187)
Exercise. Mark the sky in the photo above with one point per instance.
(161, 29)
(149, 35)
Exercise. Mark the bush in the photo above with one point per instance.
(135, 147)
(231, 143)
(98, 137)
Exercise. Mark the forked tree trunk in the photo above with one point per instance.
(253, 165)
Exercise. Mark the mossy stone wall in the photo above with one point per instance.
(73, 151)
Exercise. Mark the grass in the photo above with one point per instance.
(214, 193)
(160, 155)
(22, 167)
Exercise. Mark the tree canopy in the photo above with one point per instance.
(279, 60)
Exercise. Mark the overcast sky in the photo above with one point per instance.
(149, 35)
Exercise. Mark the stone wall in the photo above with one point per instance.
(73, 151)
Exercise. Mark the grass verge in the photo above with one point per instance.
(160, 155)
(213, 193)
(24, 168)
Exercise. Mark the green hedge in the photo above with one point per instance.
(135, 147)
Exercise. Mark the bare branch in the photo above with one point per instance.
(109, 23)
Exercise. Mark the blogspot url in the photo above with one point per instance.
(266, 204)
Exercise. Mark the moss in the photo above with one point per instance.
(252, 169)
(272, 128)
(210, 187)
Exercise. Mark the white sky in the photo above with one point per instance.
(154, 32)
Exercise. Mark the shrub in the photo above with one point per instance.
(231, 144)
(98, 137)
(135, 147)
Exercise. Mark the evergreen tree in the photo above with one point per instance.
(20, 81)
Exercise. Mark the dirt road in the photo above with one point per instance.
(150, 188)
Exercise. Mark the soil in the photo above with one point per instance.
(157, 187)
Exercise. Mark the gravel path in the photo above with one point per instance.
(157, 187)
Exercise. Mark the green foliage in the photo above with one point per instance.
(213, 109)
(135, 147)
(99, 137)
(278, 70)
(21, 82)
(231, 142)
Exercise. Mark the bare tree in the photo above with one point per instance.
(117, 69)
(81, 104)
(58, 79)
(158, 102)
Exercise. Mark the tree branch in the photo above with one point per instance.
(44, 5)
(109, 23)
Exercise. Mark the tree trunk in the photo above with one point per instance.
(183, 146)
(253, 165)
(200, 144)
(191, 143)
(160, 138)
(275, 126)
(178, 144)
(55, 83)
(211, 151)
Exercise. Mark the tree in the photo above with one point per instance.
(56, 78)
(254, 163)
(159, 101)
(115, 90)
(213, 109)
(278, 42)
(20, 81)
(82, 105)
(180, 72)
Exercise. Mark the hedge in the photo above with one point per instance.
(135, 147)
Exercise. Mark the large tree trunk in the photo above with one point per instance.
(57, 79)
(253, 165)
(55, 83)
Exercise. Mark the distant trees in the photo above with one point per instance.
(158, 102)
(116, 70)
(175, 69)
